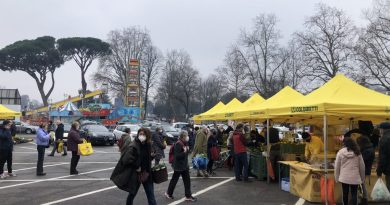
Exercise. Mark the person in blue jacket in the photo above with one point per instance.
(42, 141)
(6, 148)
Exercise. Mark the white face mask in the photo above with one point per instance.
(187, 139)
(142, 138)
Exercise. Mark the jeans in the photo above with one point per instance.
(6, 156)
(240, 164)
(149, 190)
(185, 175)
(41, 157)
(74, 161)
(354, 197)
(55, 148)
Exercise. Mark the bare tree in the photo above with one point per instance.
(373, 48)
(211, 90)
(179, 80)
(261, 55)
(125, 44)
(326, 43)
(234, 71)
(151, 63)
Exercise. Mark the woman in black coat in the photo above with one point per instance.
(211, 142)
(135, 168)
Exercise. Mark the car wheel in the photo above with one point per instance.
(112, 143)
(28, 131)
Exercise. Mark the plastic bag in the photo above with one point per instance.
(60, 146)
(380, 191)
(200, 162)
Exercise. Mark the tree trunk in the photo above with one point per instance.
(146, 102)
(42, 93)
(83, 86)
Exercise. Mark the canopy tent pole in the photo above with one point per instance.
(325, 157)
(268, 151)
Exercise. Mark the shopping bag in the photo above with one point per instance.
(60, 146)
(380, 191)
(160, 173)
(270, 169)
(200, 162)
(214, 153)
(85, 148)
(330, 191)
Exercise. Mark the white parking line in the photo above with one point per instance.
(204, 190)
(300, 202)
(27, 163)
(80, 195)
(89, 179)
(28, 148)
(55, 178)
(51, 165)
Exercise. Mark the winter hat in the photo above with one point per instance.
(384, 125)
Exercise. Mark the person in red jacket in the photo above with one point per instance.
(240, 156)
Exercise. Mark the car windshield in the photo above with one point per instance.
(169, 129)
(134, 128)
(97, 128)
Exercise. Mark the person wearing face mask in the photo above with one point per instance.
(314, 145)
(74, 139)
(158, 145)
(181, 168)
(137, 159)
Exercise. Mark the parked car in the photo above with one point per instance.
(120, 130)
(67, 128)
(22, 127)
(171, 132)
(179, 125)
(97, 134)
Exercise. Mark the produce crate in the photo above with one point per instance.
(258, 166)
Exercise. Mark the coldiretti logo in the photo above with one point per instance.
(229, 114)
(257, 113)
(304, 109)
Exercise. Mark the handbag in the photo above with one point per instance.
(60, 146)
(85, 148)
(143, 176)
(160, 173)
(214, 153)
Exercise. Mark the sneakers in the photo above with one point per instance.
(12, 174)
(191, 199)
(50, 155)
(168, 196)
(3, 176)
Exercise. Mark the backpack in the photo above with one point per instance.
(172, 150)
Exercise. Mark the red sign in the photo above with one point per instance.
(102, 112)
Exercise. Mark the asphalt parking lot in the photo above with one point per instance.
(92, 185)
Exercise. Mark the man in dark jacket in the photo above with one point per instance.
(158, 145)
(384, 153)
(59, 134)
(74, 139)
(181, 168)
(6, 148)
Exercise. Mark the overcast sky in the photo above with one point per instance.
(204, 28)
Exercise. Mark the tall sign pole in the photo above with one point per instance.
(133, 94)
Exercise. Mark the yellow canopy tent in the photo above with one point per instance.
(6, 113)
(217, 108)
(223, 113)
(340, 99)
(258, 111)
(253, 101)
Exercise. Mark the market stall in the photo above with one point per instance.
(6, 113)
(339, 101)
